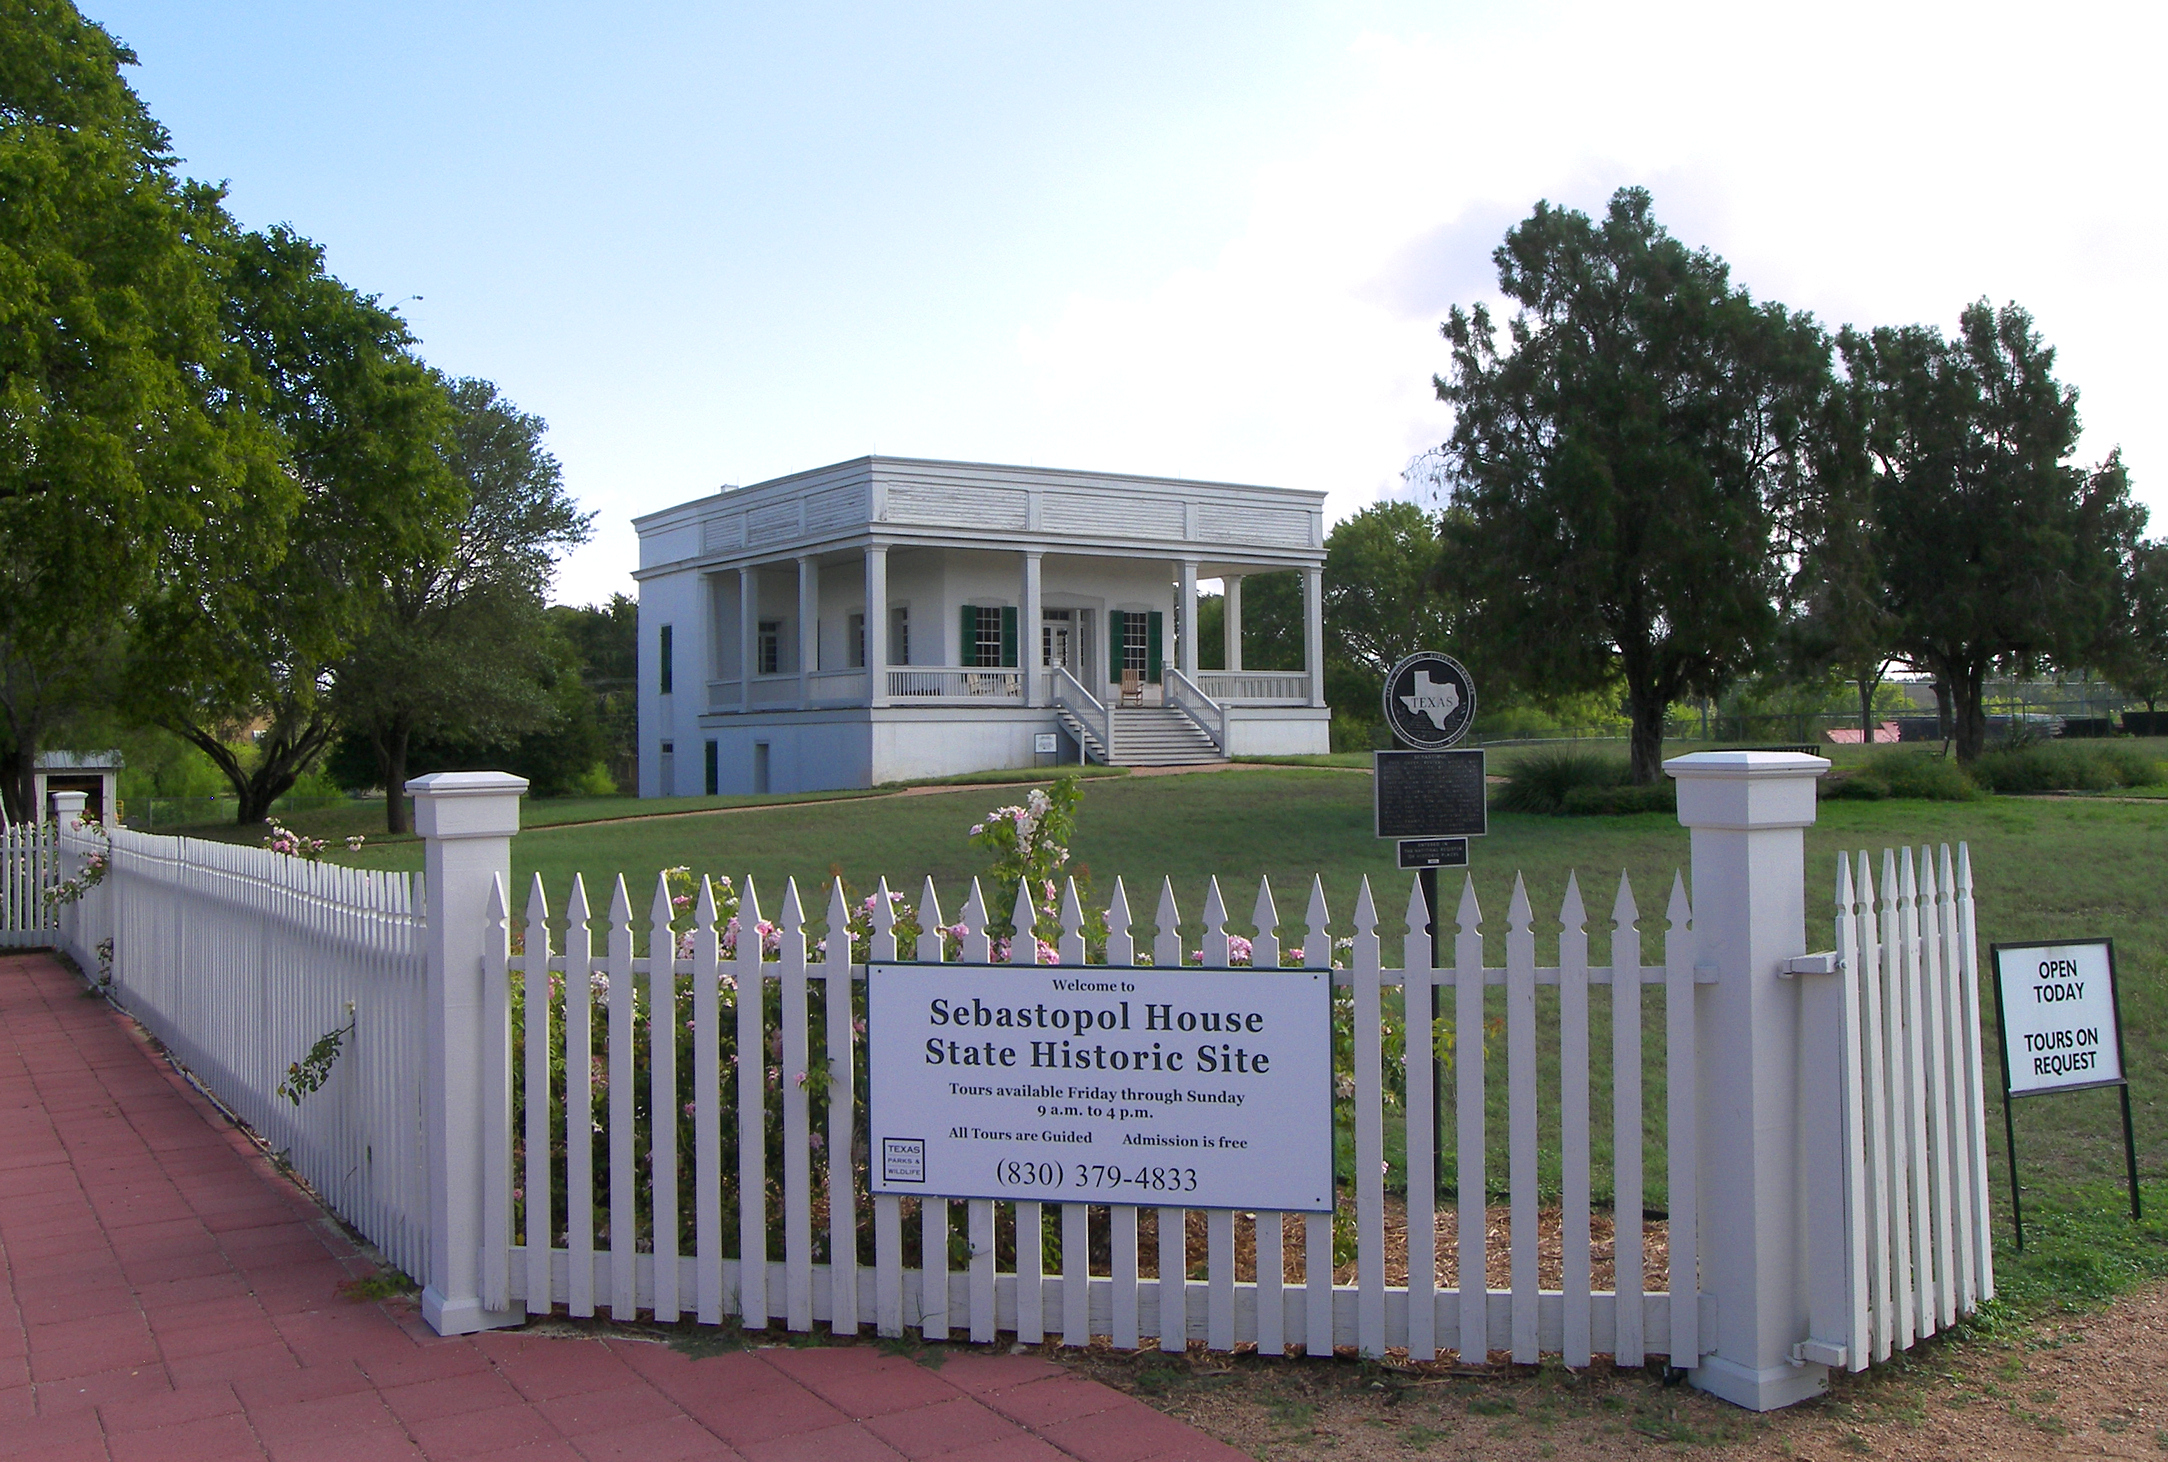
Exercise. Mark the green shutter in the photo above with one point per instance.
(967, 647)
(1008, 636)
(1152, 653)
(1117, 636)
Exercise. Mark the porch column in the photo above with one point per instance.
(877, 624)
(809, 626)
(1232, 629)
(1186, 647)
(1748, 812)
(748, 632)
(1027, 632)
(1313, 631)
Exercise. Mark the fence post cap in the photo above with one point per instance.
(1746, 789)
(467, 804)
(69, 804)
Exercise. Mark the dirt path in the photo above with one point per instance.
(2093, 1386)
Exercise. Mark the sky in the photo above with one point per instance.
(715, 243)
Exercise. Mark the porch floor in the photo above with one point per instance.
(168, 1295)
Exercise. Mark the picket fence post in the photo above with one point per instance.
(1748, 812)
(466, 821)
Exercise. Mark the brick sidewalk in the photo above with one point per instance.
(169, 1296)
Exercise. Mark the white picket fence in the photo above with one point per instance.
(776, 1277)
(1912, 1252)
(1821, 1153)
(27, 873)
(239, 959)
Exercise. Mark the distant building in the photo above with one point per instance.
(1007, 605)
(93, 773)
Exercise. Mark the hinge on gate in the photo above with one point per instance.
(1705, 973)
(1820, 1352)
(1825, 963)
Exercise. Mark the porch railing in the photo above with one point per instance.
(1209, 716)
(1255, 685)
(1068, 694)
(951, 682)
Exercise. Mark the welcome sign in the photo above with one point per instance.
(1185, 1088)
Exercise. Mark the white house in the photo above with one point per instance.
(1007, 603)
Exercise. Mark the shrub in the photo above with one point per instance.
(1542, 780)
(2054, 766)
(1916, 774)
(1587, 801)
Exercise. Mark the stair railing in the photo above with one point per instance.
(1068, 694)
(1180, 692)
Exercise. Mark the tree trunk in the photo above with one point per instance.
(1866, 709)
(1944, 727)
(1645, 713)
(1969, 714)
(23, 784)
(254, 802)
(393, 753)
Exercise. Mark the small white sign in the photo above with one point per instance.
(1045, 743)
(2059, 1026)
(1102, 1084)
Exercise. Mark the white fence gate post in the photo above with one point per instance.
(1748, 811)
(466, 820)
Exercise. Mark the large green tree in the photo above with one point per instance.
(129, 430)
(2136, 655)
(244, 669)
(1999, 550)
(457, 647)
(1630, 468)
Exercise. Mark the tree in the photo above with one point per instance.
(456, 646)
(129, 429)
(1844, 626)
(607, 639)
(2136, 658)
(244, 668)
(1631, 471)
(1998, 550)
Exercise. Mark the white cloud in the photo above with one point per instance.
(1874, 164)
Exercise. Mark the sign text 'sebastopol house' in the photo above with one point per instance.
(1005, 603)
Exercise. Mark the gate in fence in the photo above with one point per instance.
(1757, 1162)
(28, 871)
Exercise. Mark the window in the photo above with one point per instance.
(769, 647)
(714, 769)
(662, 658)
(899, 635)
(1134, 642)
(989, 636)
(1137, 642)
(855, 633)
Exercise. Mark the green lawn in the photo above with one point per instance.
(2045, 868)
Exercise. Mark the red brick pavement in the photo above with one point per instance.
(169, 1296)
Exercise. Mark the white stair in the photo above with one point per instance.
(1153, 736)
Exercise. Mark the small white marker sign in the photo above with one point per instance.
(2059, 1023)
(1101, 1084)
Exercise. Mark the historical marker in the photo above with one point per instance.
(1429, 701)
(1430, 794)
(1433, 853)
